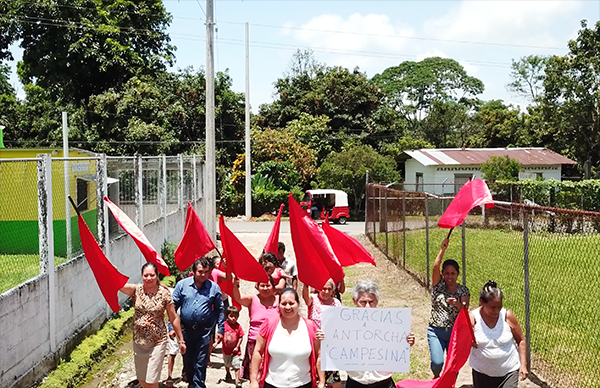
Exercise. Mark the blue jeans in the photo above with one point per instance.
(196, 356)
(438, 339)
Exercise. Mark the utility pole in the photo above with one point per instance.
(211, 174)
(248, 150)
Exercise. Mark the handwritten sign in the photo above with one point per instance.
(365, 339)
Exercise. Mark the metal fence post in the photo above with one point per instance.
(366, 200)
(387, 253)
(101, 188)
(427, 236)
(162, 196)
(46, 238)
(181, 184)
(403, 230)
(139, 219)
(194, 180)
(464, 255)
(526, 284)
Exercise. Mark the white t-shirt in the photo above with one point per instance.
(290, 357)
(496, 353)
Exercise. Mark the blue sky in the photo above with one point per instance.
(482, 35)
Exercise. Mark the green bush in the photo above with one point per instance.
(268, 201)
(168, 254)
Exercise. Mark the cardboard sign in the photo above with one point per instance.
(365, 339)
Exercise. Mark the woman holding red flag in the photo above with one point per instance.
(261, 307)
(447, 299)
(150, 301)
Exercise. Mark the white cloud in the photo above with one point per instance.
(515, 22)
(353, 41)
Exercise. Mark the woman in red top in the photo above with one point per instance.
(288, 350)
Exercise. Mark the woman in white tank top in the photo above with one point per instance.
(498, 358)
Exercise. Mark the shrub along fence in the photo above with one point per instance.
(47, 288)
(545, 260)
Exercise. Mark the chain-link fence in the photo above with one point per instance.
(145, 188)
(544, 259)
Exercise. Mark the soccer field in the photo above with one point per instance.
(17, 269)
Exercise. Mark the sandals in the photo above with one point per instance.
(169, 383)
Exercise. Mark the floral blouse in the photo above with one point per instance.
(149, 327)
(442, 314)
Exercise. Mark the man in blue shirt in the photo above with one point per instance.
(201, 308)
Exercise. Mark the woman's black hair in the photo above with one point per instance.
(150, 265)
(271, 280)
(290, 290)
(452, 263)
(490, 291)
(271, 258)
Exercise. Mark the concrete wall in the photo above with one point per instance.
(25, 355)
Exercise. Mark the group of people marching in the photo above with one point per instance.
(283, 347)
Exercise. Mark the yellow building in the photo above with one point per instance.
(19, 229)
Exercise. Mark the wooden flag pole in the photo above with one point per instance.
(74, 206)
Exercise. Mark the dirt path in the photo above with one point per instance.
(398, 289)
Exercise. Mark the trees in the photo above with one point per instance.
(501, 168)
(571, 101)
(8, 28)
(80, 48)
(346, 171)
(347, 98)
(412, 87)
(528, 76)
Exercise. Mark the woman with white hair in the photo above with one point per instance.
(366, 294)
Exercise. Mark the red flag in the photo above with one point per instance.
(138, 236)
(459, 349)
(239, 260)
(347, 250)
(272, 244)
(315, 258)
(109, 279)
(474, 193)
(195, 242)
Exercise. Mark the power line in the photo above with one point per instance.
(202, 8)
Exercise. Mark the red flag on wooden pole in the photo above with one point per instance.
(474, 193)
(315, 258)
(150, 254)
(272, 244)
(346, 248)
(239, 260)
(109, 279)
(195, 242)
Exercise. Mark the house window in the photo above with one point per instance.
(539, 176)
(460, 180)
(419, 181)
(82, 195)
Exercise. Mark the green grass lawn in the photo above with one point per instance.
(563, 271)
(17, 269)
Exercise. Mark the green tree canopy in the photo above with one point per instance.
(527, 77)
(346, 171)
(80, 48)
(501, 168)
(412, 87)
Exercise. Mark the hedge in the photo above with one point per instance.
(72, 370)
(581, 195)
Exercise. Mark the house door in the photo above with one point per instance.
(419, 181)
(460, 180)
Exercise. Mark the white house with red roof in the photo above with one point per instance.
(444, 170)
